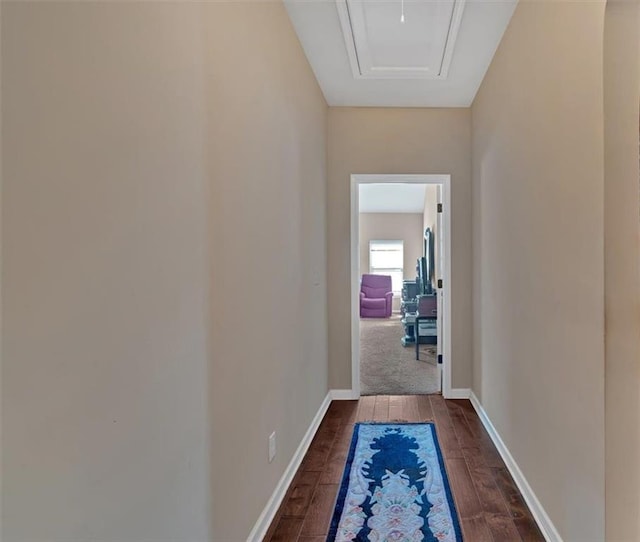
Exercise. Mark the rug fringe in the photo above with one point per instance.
(397, 420)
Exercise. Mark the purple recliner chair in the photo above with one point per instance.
(375, 296)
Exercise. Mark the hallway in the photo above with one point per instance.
(489, 505)
(172, 170)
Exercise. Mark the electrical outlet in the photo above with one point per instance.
(272, 446)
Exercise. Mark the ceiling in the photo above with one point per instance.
(392, 198)
(363, 55)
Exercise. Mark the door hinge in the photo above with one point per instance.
(439, 359)
(439, 207)
(439, 283)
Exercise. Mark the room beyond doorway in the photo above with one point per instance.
(388, 244)
(393, 219)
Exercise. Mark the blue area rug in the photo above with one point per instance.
(395, 487)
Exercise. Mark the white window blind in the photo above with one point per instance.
(386, 258)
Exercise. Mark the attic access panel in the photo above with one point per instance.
(380, 46)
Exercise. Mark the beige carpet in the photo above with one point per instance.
(387, 367)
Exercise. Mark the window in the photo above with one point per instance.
(386, 258)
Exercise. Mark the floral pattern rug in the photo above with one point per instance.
(394, 487)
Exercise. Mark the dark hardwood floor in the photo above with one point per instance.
(490, 507)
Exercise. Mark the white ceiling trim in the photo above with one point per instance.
(446, 14)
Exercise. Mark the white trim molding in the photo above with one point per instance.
(268, 514)
(343, 395)
(543, 520)
(350, 395)
(458, 393)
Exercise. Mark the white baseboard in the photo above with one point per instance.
(457, 393)
(268, 514)
(350, 395)
(343, 395)
(542, 518)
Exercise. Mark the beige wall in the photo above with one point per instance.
(372, 140)
(401, 226)
(622, 269)
(146, 192)
(392, 226)
(538, 256)
(268, 160)
(105, 414)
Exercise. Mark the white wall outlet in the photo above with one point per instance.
(272, 446)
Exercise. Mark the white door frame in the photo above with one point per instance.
(356, 181)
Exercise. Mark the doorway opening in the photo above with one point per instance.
(400, 243)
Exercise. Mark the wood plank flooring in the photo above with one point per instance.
(490, 507)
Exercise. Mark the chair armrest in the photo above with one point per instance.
(389, 294)
(362, 296)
